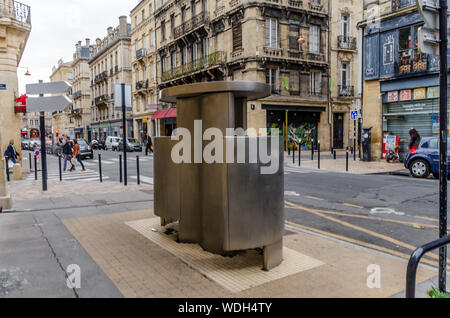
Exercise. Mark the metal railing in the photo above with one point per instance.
(347, 42)
(141, 85)
(400, 4)
(141, 53)
(216, 58)
(346, 91)
(415, 260)
(15, 10)
(101, 99)
(190, 25)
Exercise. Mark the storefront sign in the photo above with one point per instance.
(414, 107)
(405, 95)
(144, 120)
(433, 92)
(393, 97)
(420, 93)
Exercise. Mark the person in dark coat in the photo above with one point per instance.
(148, 144)
(68, 152)
(11, 153)
(415, 138)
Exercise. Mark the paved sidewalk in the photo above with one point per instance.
(327, 163)
(88, 224)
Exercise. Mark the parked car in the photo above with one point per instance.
(424, 159)
(26, 144)
(112, 143)
(98, 144)
(132, 145)
(35, 143)
(85, 149)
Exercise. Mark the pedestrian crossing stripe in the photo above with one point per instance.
(75, 175)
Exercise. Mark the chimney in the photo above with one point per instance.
(123, 26)
(110, 29)
(88, 42)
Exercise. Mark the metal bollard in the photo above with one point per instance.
(318, 155)
(293, 155)
(60, 169)
(35, 167)
(299, 155)
(29, 159)
(100, 174)
(289, 150)
(334, 155)
(7, 169)
(312, 150)
(120, 168)
(346, 160)
(354, 149)
(138, 171)
(332, 150)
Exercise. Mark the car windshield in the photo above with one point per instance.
(132, 140)
(82, 142)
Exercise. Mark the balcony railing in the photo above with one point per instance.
(400, 4)
(142, 85)
(408, 65)
(346, 91)
(15, 10)
(190, 25)
(216, 58)
(141, 53)
(296, 3)
(315, 7)
(347, 42)
(101, 100)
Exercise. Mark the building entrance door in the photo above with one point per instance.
(338, 131)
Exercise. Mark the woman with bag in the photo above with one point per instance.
(77, 153)
(11, 154)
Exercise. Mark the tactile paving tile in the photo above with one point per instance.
(232, 273)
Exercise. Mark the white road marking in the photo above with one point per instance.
(291, 194)
(385, 211)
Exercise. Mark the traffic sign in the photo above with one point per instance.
(118, 97)
(48, 104)
(2, 86)
(354, 115)
(48, 88)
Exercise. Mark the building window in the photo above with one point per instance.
(314, 39)
(272, 33)
(172, 25)
(237, 35)
(184, 55)
(164, 64)
(193, 9)
(70, 76)
(345, 74)
(173, 60)
(272, 78)
(315, 83)
(163, 30)
(345, 25)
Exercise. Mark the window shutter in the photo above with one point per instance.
(237, 36)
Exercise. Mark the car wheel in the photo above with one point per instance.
(419, 168)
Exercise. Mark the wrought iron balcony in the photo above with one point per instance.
(190, 25)
(400, 4)
(319, 57)
(208, 61)
(101, 100)
(141, 53)
(15, 10)
(141, 85)
(347, 42)
(407, 64)
(346, 91)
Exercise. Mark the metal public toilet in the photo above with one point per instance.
(224, 207)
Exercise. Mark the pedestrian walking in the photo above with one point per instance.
(11, 153)
(77, 153)
(68, 152)
(148, 144)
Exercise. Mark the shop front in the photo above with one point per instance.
(166, 121)
(411, 108)
(301, 121)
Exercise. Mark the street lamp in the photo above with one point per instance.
(27, 73)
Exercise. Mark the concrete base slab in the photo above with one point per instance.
(235, 274)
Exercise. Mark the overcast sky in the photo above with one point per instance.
(58, 24)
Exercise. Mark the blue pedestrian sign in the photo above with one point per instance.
(354, 115)
(2, 86)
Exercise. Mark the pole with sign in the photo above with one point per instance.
(431, 37)
(122, 102)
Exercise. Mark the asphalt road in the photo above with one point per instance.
(392, 214)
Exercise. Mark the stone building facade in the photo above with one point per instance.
(344, 66)
(110, 64)
(81, 91)
(61, 122)
(400, 84)
(283, 43)
(143, 63)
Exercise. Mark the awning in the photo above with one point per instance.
(165, 113)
